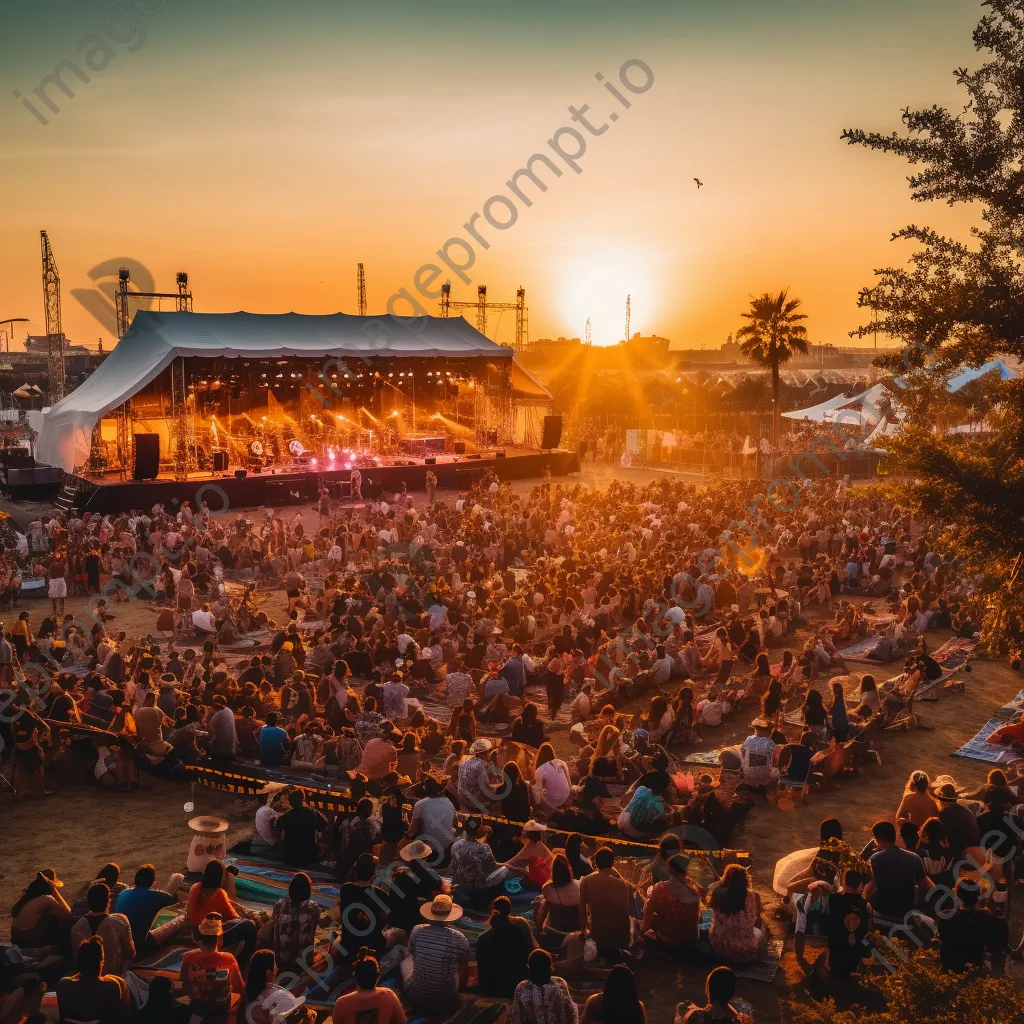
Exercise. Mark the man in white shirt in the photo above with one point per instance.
(433, 817)
(269, 812)
(203, 622)
(661, 670)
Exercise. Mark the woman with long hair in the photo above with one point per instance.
(292, 927)
(738, 932)
(542, 998)
(574, 855)
(208, 896)
(552, 782)
(559, 910)
(502, 951)
(917, 805)
(36, 917)
(619, 1003)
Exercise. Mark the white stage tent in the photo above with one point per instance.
(965, 377)
(156, 339)
(857, 411)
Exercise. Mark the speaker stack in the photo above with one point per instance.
(220, 461)
(147, 457)
(552, 432)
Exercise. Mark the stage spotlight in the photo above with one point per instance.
(394, 412)
(314, 462)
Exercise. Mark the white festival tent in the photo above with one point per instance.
(859, 411)
(155, 339)
(973, 373)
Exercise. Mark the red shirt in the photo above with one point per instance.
(374, 1006)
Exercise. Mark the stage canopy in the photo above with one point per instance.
(156, 339)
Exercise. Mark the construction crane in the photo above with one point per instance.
(182, 298)
(361, 289)
(482, 306)
(627, 318)
(54, 333)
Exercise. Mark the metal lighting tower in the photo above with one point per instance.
(481, 309)
(361, 288)
(54, 334)
(182, 298)
(586, 336)
(521, 319)
(482, 305)
(627, 318)
(184, 295)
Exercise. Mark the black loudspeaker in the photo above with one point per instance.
(492, 437)
(147, 457)
(431, 461)
(500, 453)
(236, 392)
(552, 432)
(220, 462)
(475, 455)
(459, 447)
(240, 474)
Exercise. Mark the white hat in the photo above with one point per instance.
(481, 746)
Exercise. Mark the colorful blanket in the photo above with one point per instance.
(979, 749)
(859, 650)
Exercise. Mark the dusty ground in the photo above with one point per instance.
(81, 827)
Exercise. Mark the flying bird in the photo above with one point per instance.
(700, 184)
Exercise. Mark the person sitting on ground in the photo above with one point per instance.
(559, 910)
(140, 905)
(542, 998)
(90, 994)
(113, 930)
(478, 876)
(440, 957)
(897, 878)
(917, 805)
(738, 932)
(37, 917)
(368, 1002)
(719, 990)
(266, 1002)
(970, 933)
(618, 1003)
(672, 912)
(299, 828)
(502, 951)
(293, 922)
(604, 905)
(210, 976)
(758, 755)
(235, 924)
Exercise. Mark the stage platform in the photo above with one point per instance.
(222, 491)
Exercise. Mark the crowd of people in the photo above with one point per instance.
(507, 687)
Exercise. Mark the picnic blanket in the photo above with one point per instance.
(979, 749)
(1013, 708)
(859, 650)
(951, 656)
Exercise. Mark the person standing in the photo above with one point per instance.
(56, 581)
(431, 486)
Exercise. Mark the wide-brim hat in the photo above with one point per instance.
(946, 793)
(416, 850)
(760, 723)
(481, 746)
(535, 826)
(442, 909)
(271, 787)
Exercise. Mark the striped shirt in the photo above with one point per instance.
(437, 951)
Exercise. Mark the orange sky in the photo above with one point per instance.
(266, 149)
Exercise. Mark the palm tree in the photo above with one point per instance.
(772, 337)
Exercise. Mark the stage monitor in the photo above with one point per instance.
(552, 432)
(147, 456)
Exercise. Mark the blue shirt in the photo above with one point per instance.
(514, 673)
(141, 906)
(272, 746)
